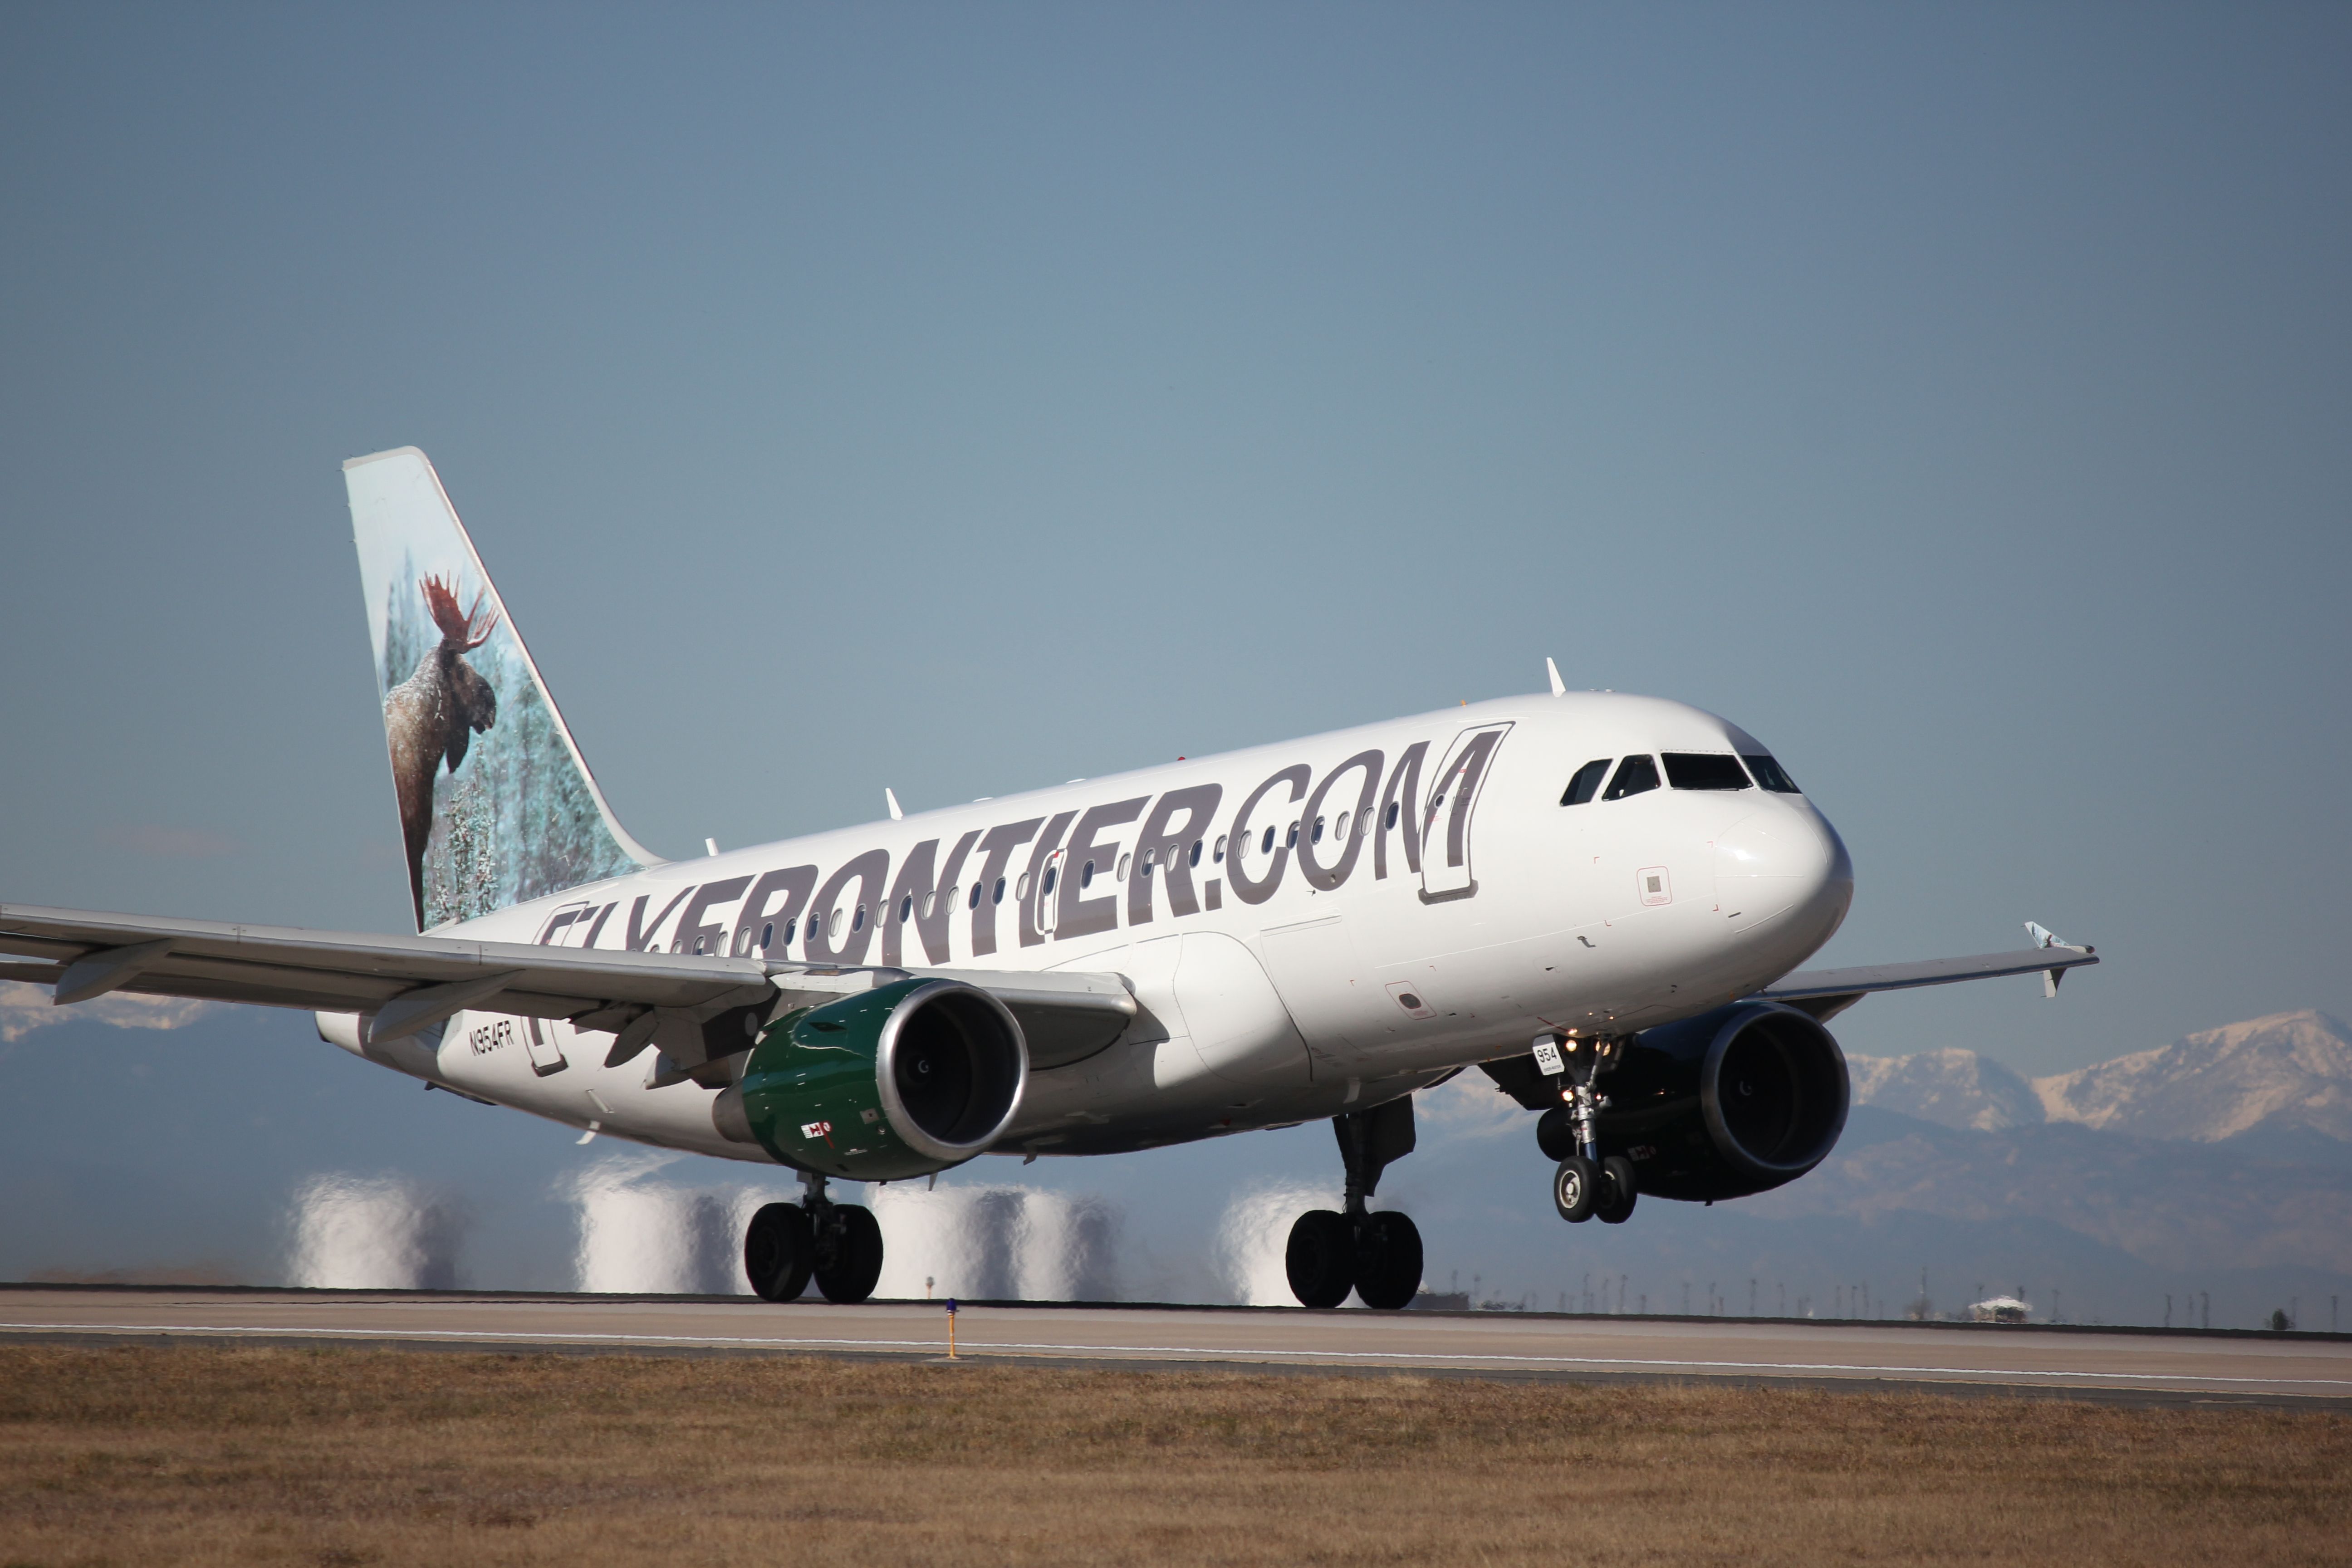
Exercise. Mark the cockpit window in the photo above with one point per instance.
(1772, 775)
(1634, 774)
(1587, 782)
(1703, 770)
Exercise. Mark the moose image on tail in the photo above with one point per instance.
(432, 716)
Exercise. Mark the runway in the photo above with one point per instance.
(2139, 1367)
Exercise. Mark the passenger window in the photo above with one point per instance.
(1705, 770)
(1194, 858)
(998, 896)
(976, 891)
(1634, 775)
(791, 926)
(1291, 842)
(1772, 775)
(767, 935)
(1268, 848)
(1390, 821)
(1587, 782)
(1316, 834)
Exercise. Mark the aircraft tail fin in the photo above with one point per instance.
(497, 805)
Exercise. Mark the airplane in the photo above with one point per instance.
(1598, 900)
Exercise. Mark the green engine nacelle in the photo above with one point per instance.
(901, 1080)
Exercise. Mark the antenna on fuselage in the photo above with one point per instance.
(892, 802)
(1559, 687)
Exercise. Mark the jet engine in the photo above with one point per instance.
(1735, 1101)
(901, 1080)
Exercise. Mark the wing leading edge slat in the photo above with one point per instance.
(408, 983)
(1825, 992)
(270, 964)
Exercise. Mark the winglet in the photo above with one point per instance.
(2044, 937)
(892, 802)
(1559, 687)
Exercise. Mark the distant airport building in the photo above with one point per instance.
(2001, 1310)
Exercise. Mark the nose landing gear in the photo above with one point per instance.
(1376, 1254)
(1586, 1183)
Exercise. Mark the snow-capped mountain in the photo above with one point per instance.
(2291, 1072)
(1952, 1089)
(2283, 1079)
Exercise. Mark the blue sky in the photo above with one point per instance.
(964, 400)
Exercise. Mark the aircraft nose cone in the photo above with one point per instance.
(1775, 861)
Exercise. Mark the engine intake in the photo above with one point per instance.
(1735, 1101)
(907, 1078)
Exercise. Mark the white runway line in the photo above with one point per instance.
(1194, 1353)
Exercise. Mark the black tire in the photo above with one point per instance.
(1575, 1188)
(1619, 1188)
(848, 1276)
(1555, 1135)
(779, 1250)
(1320, 1259)
(1388, 1260)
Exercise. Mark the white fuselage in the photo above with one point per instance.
(1353, 961)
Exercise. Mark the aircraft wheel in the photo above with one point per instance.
(856, 1261)
(1388, 1260)
(779, 1250)
(1320, 1259)
(1619, 1188)
(1575, 1188)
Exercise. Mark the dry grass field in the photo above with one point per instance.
(197, 1456)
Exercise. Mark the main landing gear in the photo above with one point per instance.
(838, 1243)
(1586, 1184)
(1376, 1254)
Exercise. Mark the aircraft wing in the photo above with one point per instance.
(405, 984)
(1825, 992)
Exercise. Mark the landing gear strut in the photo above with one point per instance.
(1376, 1254)
(839, 1243)
(1586, 1183)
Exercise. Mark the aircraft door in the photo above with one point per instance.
(567, 926)
(1445, 867)
(1047, 892)
(539, 1039)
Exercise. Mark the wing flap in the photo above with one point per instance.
(407, 983)
(285, 967)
